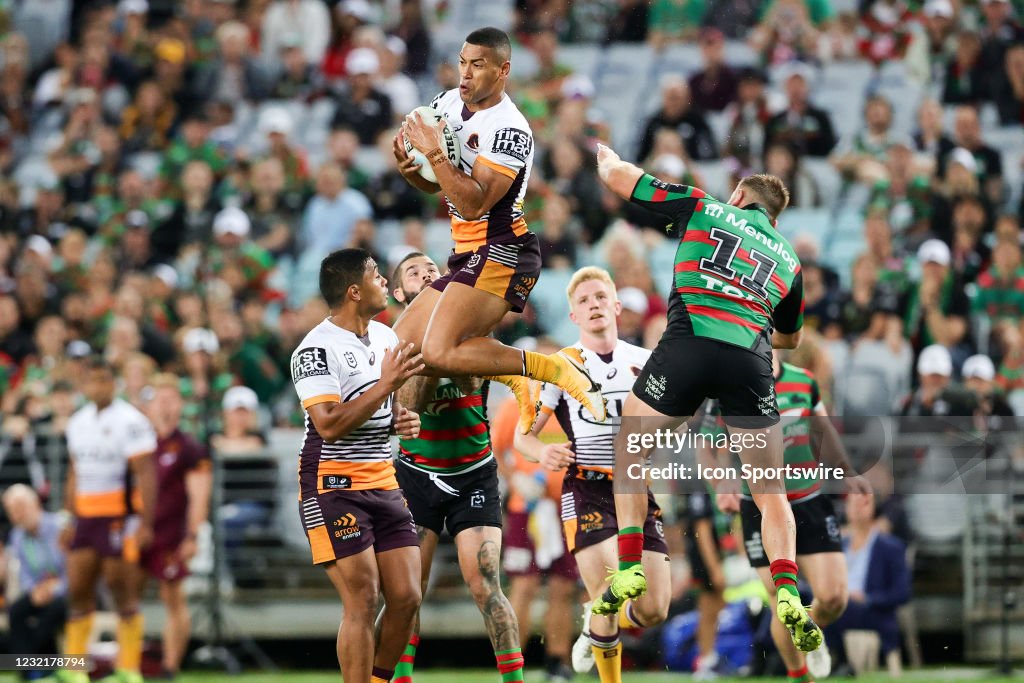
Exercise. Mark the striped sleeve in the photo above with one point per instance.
(667, 199)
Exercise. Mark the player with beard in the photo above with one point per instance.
(588, 504)
(495, 261)
(450, 478)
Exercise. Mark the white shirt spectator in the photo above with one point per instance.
(308, 18)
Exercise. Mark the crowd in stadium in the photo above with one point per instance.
(172, 175)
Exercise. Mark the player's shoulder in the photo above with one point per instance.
(444, 99)
(631, 352)
(381, 333)
(85, 414)
(507, 113)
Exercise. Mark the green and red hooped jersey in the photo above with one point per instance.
(736, 278)
(798, 396)
(453, 432)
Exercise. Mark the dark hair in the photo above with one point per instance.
(96, 362)
(339, 271)
(494, 38)
(396, 275)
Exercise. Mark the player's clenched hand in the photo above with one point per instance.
(407, 423)
(728, 502)
(187, 550)
(420, 134)
(606, 156)
(400, 364)
(407, 166)
(556, 456)
(67, 534)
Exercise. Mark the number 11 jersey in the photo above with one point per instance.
(736, 278)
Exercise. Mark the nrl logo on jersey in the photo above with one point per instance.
(350, 358)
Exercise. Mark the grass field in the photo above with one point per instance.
(489, 676)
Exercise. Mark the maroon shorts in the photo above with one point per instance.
(340, 524)
(505, 269)
(160, 559)
(108, 536)
(588, 513)
(520, 559)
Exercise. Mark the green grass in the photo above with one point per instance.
(490, 676)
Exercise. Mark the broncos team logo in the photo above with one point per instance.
(473, 142)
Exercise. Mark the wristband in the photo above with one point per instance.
(436, 157)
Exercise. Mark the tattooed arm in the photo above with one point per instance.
(416, 391)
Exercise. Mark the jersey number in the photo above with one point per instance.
(720, 262)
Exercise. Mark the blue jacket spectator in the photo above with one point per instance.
(878, 577)
(38, 614)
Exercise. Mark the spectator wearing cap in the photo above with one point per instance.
(298, 79)
(331, 216)
(670, 21)
(714, 86)
(936, 395)
(39, 610)
(361, 106)
(904, 193)
(176, 73)
(934, 45)
(160, 292)
(348, 16)
(400, 88)
(234, 75)
(204, 380)
(979, 376)
(286, 19)
(801, 124)
(241, 432)
(999, 291)
(988, 161)
(191, 222)
(1009, 92)
(133, 40)
(236, 259)
(936, 307)
(965, 79)
(192, 144)
(678, 113)
(960, 182)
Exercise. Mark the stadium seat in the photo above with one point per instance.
(582, 59)
(548, 297)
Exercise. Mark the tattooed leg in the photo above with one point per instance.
(480, 559)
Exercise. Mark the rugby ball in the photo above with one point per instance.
(449, 143)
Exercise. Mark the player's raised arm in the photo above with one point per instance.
(630, 182)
